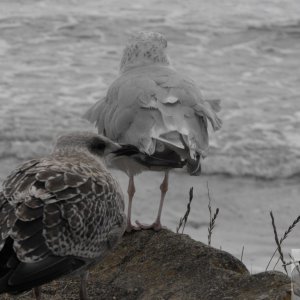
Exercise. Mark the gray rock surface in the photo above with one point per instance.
(165, 265)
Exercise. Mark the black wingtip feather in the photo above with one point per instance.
(126, 150)
(156, 161)
(194, 166)
(29, 275)
(17, 277)
(166, 158)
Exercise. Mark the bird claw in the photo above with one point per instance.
(155, 226)
(131, 228)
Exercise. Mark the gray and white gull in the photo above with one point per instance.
(59, 215)
(158, 112)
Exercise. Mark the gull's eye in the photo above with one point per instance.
(97, 145)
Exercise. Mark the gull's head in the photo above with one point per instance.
(93, 143)
(144, 48)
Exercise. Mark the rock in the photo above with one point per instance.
(165, 265)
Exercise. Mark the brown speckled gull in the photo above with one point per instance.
(59, 215)
(157, 110)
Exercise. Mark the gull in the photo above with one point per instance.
(59, 215)
(158, 112)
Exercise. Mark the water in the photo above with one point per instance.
(59, 57)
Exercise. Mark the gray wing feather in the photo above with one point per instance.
(56, 209)
(94, 113)
(151, 103)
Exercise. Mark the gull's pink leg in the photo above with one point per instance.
(130, 191)
(157, 224)
(164, 188)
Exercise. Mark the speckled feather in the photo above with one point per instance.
(7, 219)
(61, 205)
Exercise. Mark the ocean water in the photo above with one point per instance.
(58, 57)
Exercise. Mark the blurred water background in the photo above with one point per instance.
(58, 57)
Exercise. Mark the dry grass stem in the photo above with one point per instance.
(278, 243)
(285, 236)
(242, 254)
(296, 263)
(287, 232)
(183, 220)
(212, 218)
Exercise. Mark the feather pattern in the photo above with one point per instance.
(149, 102)
(60, 206)
(7, 219)
(65, 203)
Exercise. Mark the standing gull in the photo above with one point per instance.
(158, 111)
(59, 215)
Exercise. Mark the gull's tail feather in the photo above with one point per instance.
(215, 104)
(193, 166)
(166, 158)
(95, 114)
(209, 109)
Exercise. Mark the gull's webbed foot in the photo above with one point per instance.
(155, 226)
(130, 227)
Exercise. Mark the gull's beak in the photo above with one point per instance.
(111, 147)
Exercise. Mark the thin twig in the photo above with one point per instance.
(212, 219)
(285, 236)
(212, 225)
(277, 242)
(183, 220)
(242, 254)
(297, 220)
(296, 263)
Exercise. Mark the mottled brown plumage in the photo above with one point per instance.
(65, 207)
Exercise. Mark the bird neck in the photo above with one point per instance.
(136, 57)
(69, 150)
(79, 154)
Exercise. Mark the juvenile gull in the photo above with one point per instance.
(158, 111)
(59, 215)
